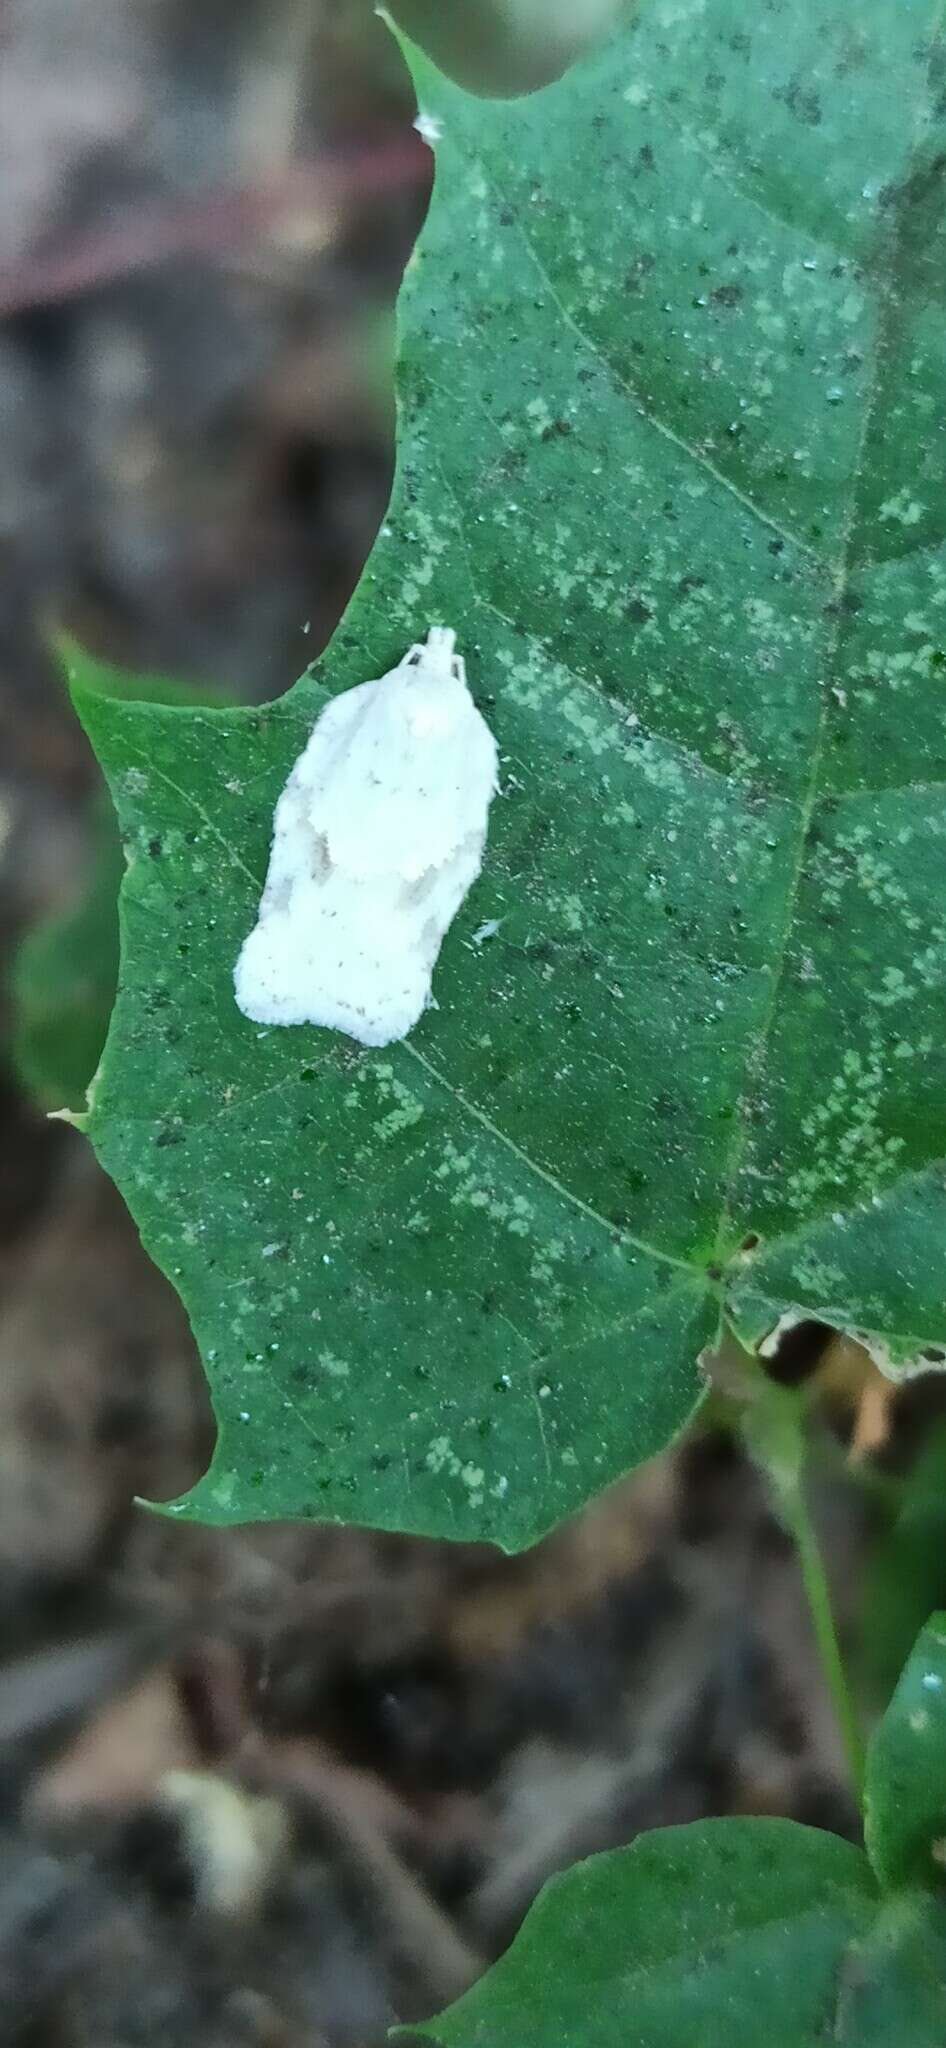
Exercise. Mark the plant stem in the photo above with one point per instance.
(773, 1425)
(817, 1593)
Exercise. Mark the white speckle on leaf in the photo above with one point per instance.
(378, 835)
(441, 1457)
(337, 1368)
(906, 510)
(429, 127)
(487, 930)
(932, 1681)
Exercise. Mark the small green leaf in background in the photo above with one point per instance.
(906, 1570)
(724, 1934)
(65, 971)
(64, 978)
(906, 1780)
(670, 462)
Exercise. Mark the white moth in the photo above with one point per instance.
(378, 835)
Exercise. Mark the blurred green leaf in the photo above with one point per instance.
(906, 1773)
(65, 970)
(507, 46)
(670, 463)
(725, 1934)
(905, 1577)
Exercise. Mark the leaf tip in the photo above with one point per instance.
(78, 1118)
(422, 69)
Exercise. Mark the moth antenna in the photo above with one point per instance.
(442, 639)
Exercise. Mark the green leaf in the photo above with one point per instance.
(506, 46)
(63, 981)
(906, 1572)
(65, 971)
(670, 427)
(906, 1775)
(729, 1932)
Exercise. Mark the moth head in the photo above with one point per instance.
(438, 656)
(436, 665)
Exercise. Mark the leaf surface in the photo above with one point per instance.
(64, 977)
(726, 1931)
(670, 461)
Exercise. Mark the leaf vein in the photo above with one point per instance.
(696, 455)
(618, 1236)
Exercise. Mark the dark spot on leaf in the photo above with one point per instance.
(638, 270)
(803, 102)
